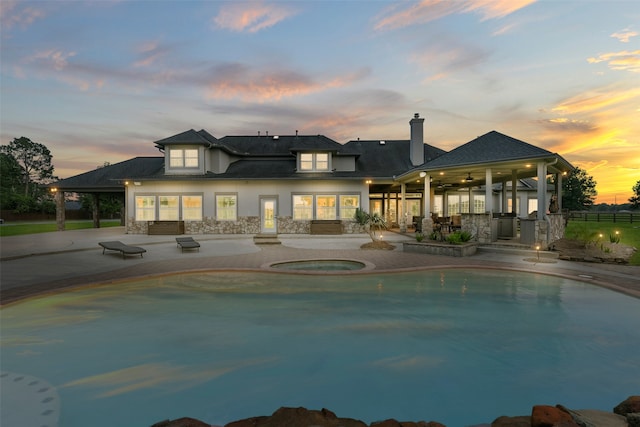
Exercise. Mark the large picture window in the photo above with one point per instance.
(183, 158)
(226, 207)
(303, 207)
(348, 206)
(145, 208)
(192, 208)
(168, 208)
(326, 207)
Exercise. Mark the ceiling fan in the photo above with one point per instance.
(469, 177)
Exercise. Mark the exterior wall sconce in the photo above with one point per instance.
(368, 181)
(54, 190)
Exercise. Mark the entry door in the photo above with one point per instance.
(268, 215)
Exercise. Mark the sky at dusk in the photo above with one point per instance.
(99, 81)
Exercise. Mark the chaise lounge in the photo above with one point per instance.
(122, 248)
(187, 243)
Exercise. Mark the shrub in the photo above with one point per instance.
(419, 237)
(459, 237)
(614, 238)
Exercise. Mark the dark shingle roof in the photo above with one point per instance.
(188, 137)
(281, 145)
(490, 147)
(109, 178)
(389, 159)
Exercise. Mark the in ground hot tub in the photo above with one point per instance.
(320, 265)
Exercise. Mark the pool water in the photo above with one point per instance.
(412, 346)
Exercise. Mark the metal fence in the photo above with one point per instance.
(628, 217)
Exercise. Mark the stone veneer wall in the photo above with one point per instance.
(479, 226)
(548, 232)
(244, 225)
(557, 229)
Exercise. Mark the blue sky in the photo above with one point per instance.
(99, 81)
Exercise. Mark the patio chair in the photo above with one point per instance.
(187, 243)
(456, 222)
(125, 250)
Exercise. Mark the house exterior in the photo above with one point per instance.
(285, 183)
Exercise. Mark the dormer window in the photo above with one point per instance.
(183, 158)
(314, 162)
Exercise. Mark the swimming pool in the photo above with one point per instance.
(411, 346)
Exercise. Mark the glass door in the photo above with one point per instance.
(268, 215)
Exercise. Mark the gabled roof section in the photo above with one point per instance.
(110, 178)
(490, 147)
(387, 158)
(190, 137)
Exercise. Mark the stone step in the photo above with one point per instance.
(266, 239)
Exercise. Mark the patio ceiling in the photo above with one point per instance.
(458, 176)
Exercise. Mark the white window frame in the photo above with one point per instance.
(181, 158)
(168, 207)
(315, 162)
(348, 211)
(301, 209)
(191, 207)
(226, 213)
(145, 208)
(479, 204)
(325, 212)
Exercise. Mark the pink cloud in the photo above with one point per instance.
(13, 15)
(251, 17)
(431, 10)
(239, 81)
(53, 58)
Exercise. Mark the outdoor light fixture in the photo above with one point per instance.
(469, 178)
(54, 190)
(423, 174)
(538, 251)
(137, 183)
(368, 181)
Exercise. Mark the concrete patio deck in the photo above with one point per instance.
(49, 262)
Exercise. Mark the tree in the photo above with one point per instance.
(110, 204)
(635, 199)
(578, 191)
(374, 222)
(10, 181)
(34, 160)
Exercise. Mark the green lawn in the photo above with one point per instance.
(590, 231)
(18, 228)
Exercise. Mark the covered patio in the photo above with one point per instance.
(489, 173)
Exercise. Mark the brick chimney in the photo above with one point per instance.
(417, 140)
